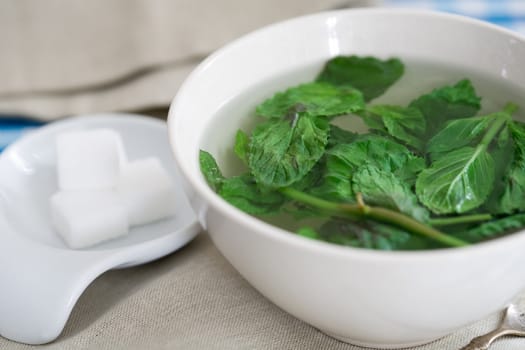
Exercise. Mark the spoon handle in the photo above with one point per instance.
(483, 341)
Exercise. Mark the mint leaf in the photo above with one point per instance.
(370, 75)
(308, 232)
(210, 170)
(312, 178)
(513, 196)
(314, 99)
(459, 133)
(339, 135)
(383, 188)
(241, 145)
(458, 182)
(368, 234)
(406, 124)
(469, 131)
(446, 103)
(462, 178)
(281, 152)
(242, 191)
(336, 185)
(374, 150)
(493, 229)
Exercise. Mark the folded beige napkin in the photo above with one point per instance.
(68, 57)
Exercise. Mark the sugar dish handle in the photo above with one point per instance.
(40, 285)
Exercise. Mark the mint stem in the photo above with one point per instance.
(463, 219)
(376, 213)
(493, 130)
(497, 125)
(510, 108)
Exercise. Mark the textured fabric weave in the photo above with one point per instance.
(195, 300)
(82, 56)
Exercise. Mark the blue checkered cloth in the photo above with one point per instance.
(11, 128)
(506, 13)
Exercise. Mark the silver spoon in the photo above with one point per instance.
(513, 324)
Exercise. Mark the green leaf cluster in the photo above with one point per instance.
(430, 174)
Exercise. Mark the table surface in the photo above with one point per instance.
(194, 299)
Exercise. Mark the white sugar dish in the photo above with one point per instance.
(42, 277)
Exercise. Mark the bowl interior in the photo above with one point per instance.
(220, 96)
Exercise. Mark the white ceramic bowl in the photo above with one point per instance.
(380, 299)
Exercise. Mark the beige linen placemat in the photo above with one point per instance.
(194, 299)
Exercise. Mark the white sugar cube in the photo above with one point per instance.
(89, 159)
(147, 191)
(85, 218)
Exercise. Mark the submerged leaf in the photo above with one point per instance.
(242, 191)
(472, 131)
(376, 150)
(462, 174)
(282, 152)
(459, 133)
(383, 188)
(336, 183)
(339, 135)
(370, 75)
(446, 103)
(312, 178)
(379, 151)
(513, 193)
(314, 99)
(493, 229)
(369, 234)
(406, 124)
(241, 145)
(210, 169)
(308, 232)
(458, 182)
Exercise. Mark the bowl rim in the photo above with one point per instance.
(199, 185)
